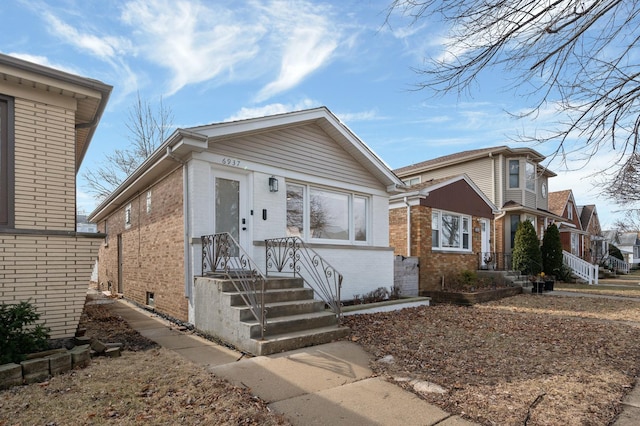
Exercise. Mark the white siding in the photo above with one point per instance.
(304, 149)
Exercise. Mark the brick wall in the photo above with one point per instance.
(44, 261)
(52, 272)
(44, 166)
(152, 248)
(433, 264)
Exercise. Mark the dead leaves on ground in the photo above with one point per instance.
(496, 359)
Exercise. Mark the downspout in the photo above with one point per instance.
(406, 202)
(187, 227)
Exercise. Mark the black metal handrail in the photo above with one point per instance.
(495, 261)
(222, 256)
(290, 255)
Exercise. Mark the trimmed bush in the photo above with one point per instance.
(526, 251)
(19, 335)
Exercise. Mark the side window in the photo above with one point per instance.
(530, 176)
(127, 216)
(514, 173)
(148, 201)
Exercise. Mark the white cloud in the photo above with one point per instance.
(271, 109)
(102, 47)
(194, 42)
(359, 116)
(44, 61)
(307, 37)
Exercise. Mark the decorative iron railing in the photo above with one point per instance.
(222, 256)
(290, 255)
(581, 268)
(616, 265)
(494, 261)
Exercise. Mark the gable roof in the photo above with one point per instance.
(464, 156)
(558, 201)
(587, 212)
(422, 189)
(183, 142)
(91, 96)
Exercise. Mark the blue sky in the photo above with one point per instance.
(213, 61)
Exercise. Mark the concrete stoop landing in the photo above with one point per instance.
(294, 319)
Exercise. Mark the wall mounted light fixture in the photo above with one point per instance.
(273, 184)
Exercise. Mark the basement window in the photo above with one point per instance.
(151, 301)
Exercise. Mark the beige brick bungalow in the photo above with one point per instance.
(47, 120)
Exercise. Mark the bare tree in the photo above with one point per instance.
(147, 130)
(577, 55)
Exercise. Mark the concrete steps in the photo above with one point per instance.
(294, 318)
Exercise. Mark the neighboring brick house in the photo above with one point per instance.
(511, 178)
(47, 120)
(594, 245)
(574, 239)
(259, 178)
(447, 223)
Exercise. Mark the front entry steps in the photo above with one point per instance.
(294, 318)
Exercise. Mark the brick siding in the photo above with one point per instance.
(152, 248)
(434, 265)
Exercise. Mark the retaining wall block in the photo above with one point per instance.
(59, 363)
(80, 356)
(35, 370)
(10, 375)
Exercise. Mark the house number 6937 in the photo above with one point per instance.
(231, 162)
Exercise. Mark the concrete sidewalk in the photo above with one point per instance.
(329, 384)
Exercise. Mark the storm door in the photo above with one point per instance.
(230, 207)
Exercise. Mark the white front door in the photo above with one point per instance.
(485, 242)
(231, 213)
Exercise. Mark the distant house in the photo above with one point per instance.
(83, 224)
(629, 245)
(300, 174)
(512, 179)
(47, 120)
(594, 244)
(574, 239)
(447, 223)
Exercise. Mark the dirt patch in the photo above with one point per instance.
(147, 385)
(528, 359)
(101, 324)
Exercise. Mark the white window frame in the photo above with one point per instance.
(412, 181)
(529, 178)
(148, 201)
(437, 226)
(127, 216)
(509, 174)
(305, 232)
(569, 210)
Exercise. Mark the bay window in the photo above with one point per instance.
(530, 176)
(450, 231)
(321, 214)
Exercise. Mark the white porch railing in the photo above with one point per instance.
(581, 268)
(617, 265)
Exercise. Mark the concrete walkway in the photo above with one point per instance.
(329, 384)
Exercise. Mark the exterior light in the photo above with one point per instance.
(273, 184)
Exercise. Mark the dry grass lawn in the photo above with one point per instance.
(529, 359)
(148, 386)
